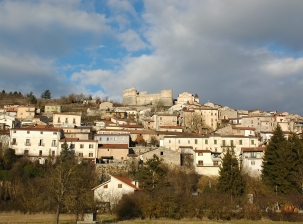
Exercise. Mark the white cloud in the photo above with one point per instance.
(132, 41)
(284, 66)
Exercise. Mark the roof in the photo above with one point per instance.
(255, 149)
(114, 146)
(202, 150)
(39, 128)
(173, 127)
(77, 140)
(127, 181)
(122, 179)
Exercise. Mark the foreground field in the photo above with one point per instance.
(11, 218)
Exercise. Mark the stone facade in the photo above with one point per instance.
(132, 97)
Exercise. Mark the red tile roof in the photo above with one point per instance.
(114, 146)
(127, 181)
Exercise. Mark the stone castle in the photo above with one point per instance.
(133, 98)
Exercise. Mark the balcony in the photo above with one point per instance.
(27, 144)
(41, 144)
(214, 164)
(14, 143)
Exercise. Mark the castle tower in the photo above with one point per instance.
(166, 97)
(129, 97)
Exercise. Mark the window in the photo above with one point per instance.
(105, 186)
(223, 142)
(240, 142)
(216, 149)
(80, 154)
(26, 152)
(206, 141)
(59, 121)
(41, 142)
(90, 146)
(252, 163)
(215, 141)
(14, 131)
(216, 163)
(119, 185)
(81, 146)
(179, 141)
(100, 139)
(252, 142)
(53, 143)
(74, 121)
(28, 132)
(160, 118)
(200, 154)
(169, 141)
(196, 141)
(188, 141)
(54, 133)
(90, 154)
(53, 153)
(40, 152)
(232, 142)
(107, 139)
(41, 132)
(161, 153)
(66, 120)
(14, 142)
(27, 142)
(200, 162)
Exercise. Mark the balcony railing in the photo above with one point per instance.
(27, 144)
(41, 144)
(208, 164)
(14, 143)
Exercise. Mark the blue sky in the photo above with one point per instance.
(242, 54)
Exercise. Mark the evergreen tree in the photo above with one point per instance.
(31, 98)
(281, 163)
(230, 176)
(46, 94)
(151, 175)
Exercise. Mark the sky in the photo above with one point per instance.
(242, 54)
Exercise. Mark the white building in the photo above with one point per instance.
(252, 160)
(36, 142)
(111, 191)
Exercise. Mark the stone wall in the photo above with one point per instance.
(132, 97)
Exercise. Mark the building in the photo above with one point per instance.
(50, 109)
(26, 112)
(36, 142)
(109, 193)
(132, 97)
(187, 98)
(252, 160)
(112, 147)
(83, 149)
(66, 120)
(164, 120)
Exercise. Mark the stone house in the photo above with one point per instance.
(164, 120)
(187, 98)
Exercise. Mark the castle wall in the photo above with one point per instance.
(132, 97)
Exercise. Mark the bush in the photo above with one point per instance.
(127, 208)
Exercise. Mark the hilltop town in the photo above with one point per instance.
(145, 124)
(151, 137)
